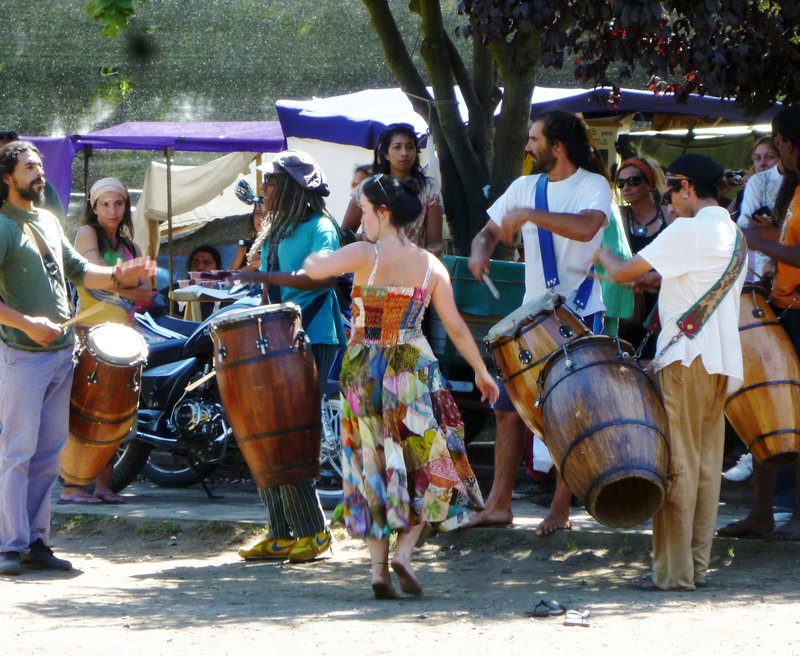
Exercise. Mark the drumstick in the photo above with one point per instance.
(201, 380)
(82, 315)
(488, 282)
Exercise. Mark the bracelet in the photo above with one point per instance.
(114, 278)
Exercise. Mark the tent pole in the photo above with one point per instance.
(87, 153)
(168, 156)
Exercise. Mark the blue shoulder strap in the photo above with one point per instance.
(545, 236)
(547, 252)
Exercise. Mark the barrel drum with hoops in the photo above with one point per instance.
(104, 399)
(607, 429)
(268, 385)
(765, 410)
(522, 343)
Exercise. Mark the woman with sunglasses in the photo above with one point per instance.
(397, 154)
(638, 181)
(403, 456)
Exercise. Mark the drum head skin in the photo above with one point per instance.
(235, 316)
(116, 344)
(509, 326)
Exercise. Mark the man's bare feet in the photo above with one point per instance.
(749, 527)
(789, 531)
(554, 521)
(491, 518)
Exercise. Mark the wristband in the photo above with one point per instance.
(114, 278)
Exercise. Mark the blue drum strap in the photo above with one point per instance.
(546, 251)
(548, 254)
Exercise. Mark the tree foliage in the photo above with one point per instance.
(744, 50)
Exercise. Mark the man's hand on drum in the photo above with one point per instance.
(486, 383)
(130, 273)
(41, 330)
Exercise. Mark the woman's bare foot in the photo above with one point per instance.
(408, 582)
(491, 518)
(555, 521)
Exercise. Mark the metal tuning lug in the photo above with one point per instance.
(525, 356)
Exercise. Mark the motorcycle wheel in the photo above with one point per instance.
(167, 469)
(129, 461)
(329, 484)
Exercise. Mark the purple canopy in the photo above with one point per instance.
(219, 137)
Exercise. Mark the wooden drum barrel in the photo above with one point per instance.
(521, 344)
(268, 385)
(105, 395)
(606, 430)
(765, 411)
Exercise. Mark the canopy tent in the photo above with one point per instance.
(341, 131)
(247, 138)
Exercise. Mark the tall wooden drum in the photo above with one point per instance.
(606, 429)
(765, 411)
(105, 396)
(268, 385)
(522, 343)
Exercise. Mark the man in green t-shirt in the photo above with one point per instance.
(36, 354)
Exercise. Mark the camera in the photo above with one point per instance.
(764, 213)
(735, 176)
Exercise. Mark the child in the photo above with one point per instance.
(404, 459)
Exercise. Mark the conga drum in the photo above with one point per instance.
(521, 344)
(765, 411)
(105, 396)
(606, 429)
(267, 381)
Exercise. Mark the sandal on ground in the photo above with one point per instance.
(548, 608)
(645, 584)
(110, 497)
(81, 498)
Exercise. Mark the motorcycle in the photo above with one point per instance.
(183, 435)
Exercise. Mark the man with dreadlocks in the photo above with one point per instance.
(297, 223)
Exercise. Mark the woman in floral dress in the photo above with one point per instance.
(404, 459)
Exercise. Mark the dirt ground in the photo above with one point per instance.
(154, 587)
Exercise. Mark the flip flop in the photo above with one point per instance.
(383, 590)
(547, 608)
(577, 618)
(109, 497)
(81, 498)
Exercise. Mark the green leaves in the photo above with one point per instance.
(115, 15)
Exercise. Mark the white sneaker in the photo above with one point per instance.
(741, 471)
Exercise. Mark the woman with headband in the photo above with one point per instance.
(638, 181)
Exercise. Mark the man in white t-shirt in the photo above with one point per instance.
(578, 207)
(696, 375)
(758, 202)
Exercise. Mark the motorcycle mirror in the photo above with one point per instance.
(244, 192)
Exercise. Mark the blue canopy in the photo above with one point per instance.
(357, 119)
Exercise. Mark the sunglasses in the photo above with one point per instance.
(269, 180)
(673, 185)
(377, 178)
(632, 181)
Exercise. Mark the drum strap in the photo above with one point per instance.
(697, 315)
(548, 254)
(48, 259)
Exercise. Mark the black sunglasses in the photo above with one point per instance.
(673, 185)
(633, 181)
